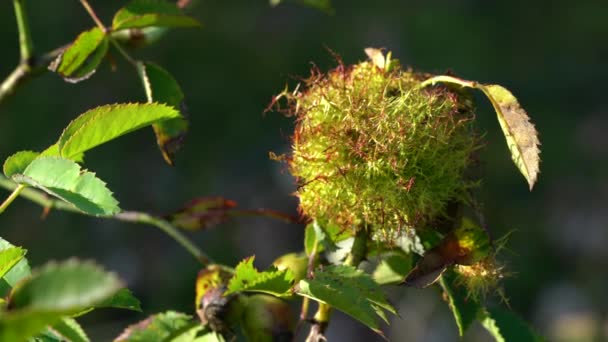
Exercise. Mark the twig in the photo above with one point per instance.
(25, 38)
(93, 15)
(47, 202)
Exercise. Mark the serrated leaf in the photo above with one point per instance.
(163, 327)
(105, 123)
(18, 272)
(522, 138)
(64, 179)
(70, 330)
(465, 309)
(9, 257)
(349, 290)
(505, 326)
(248, 279)
(54, 291)
(393, 267)
(53, 151)
(161, 87)
(80, 60)
(146, 13)
(18, 162)
(322, 5)
(520, 133)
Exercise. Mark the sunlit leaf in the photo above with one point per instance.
(505, 326)
(105, 123)
(522, 138)
(80, 60)
(248, 279)
(169, 326)
(54, 291)
(64, 179)
(18, 272)
(146, 13)
(349, 290)
(393, 268)
(465, 309)
(9, 257)
(18, 162)
(161, 87)
(70, 330)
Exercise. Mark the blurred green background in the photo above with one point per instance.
(552, 54)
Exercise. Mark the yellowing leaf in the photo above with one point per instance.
(520, 133)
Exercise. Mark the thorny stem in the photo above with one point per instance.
(323, 314)
(129, 216)
(11, 198)
(93, 15)
(25, 38)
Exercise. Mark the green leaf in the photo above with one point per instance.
(123, 299)
(18, 162)
(9, 257)
(54, 291)
(349, 290)
(505, 326)
(163, 327)
(80, 60)
(465, 309)
(327, 235)
(19, 271)
(520, 133)
(146, 13)
(322, 5)
(522, 138)
(105, 123)
(393, 268)
(161, 87)
(64, 179)
(249, 279)
(70, 330)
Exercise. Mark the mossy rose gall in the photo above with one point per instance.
(374, 149)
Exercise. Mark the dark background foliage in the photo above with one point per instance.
(553, 55)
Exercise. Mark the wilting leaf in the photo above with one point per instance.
(163, 327)
(322, 5)
(161, 87)
(18, 162)
(15, 274)
(505, 326)
(55, 291)
(465, 309)
(520, 133)
(108, 122)
(202, 213)
(349, 290)
(146, 13)
(248, 279)
(522, 138)
(9, 257)
(80, 60)
(64, 179)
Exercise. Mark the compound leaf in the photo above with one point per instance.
(105, 123)
(161, 87)
(349, 290)
(505, 326)
(55, 291)
(80, 60)
(248, 279)
(64, 179)
(146, 13)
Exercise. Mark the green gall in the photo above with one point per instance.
(267, 319)
(372, 148)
